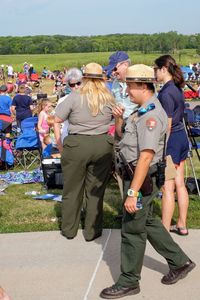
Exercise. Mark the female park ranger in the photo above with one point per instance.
(87, 153)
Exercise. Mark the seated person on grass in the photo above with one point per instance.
(50, 151)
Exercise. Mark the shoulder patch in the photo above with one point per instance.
(151, 123)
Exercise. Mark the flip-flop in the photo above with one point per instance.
(179, 230)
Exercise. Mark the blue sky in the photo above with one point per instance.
(91, 17)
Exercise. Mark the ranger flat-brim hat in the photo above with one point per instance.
(140, 73)
(93, 70)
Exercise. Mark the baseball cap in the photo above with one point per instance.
(114, 59)
(3, 88)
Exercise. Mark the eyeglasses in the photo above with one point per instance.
(74, 84)
(156, 68)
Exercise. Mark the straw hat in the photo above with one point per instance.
(93, 70)
(140, 73)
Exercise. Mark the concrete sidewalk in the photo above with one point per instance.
(46, 266)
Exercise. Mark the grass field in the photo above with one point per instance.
(58, 61)
(19, 212)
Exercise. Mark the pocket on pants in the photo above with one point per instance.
(110, 139)
(70, 142)
(134, 223)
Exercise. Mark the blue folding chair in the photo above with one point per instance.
(6, 155)
(28, 144)
(193, 130)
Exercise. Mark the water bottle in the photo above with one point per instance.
(32, 193)
(18, 130)
(139, 201)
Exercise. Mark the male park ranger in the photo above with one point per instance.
(142, 147)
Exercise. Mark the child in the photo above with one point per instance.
(50, 122)
(50, 149)
(43, 113)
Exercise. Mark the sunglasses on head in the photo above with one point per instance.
(74, 84)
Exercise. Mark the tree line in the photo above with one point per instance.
(145, 43)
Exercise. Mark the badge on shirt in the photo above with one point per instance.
(151, 123)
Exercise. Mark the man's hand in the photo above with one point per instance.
(118, 110)
(130, 205)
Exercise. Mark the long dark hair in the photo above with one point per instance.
(169, 62)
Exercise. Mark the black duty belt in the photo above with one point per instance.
(87, 134)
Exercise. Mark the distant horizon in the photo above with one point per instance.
(91, 35)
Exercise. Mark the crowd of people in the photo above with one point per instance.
(195, 71)
(149, 132)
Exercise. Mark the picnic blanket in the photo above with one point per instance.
(54, 197)
(23, 177)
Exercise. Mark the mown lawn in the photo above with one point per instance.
(20, 213)
(58, 61)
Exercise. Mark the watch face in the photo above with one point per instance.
(132, 193)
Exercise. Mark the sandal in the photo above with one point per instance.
(179, 230)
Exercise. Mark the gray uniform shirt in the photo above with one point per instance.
(76, 111)
(145, 131)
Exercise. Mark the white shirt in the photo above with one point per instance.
(65, 124)
(10, 70)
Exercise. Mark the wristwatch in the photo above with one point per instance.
(132, 193)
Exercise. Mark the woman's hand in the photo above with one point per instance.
(60, 147)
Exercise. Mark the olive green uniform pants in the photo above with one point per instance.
(136, 230)
(86, 165)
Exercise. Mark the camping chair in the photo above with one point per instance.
(22, 77)
(6, 155)
(34, 77)
(196, 111)
(193, 130)
(28, 144)
(193, 133)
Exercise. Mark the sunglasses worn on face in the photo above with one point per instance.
(116, 68)
(74, 84)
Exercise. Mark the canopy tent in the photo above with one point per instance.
(187, 72)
